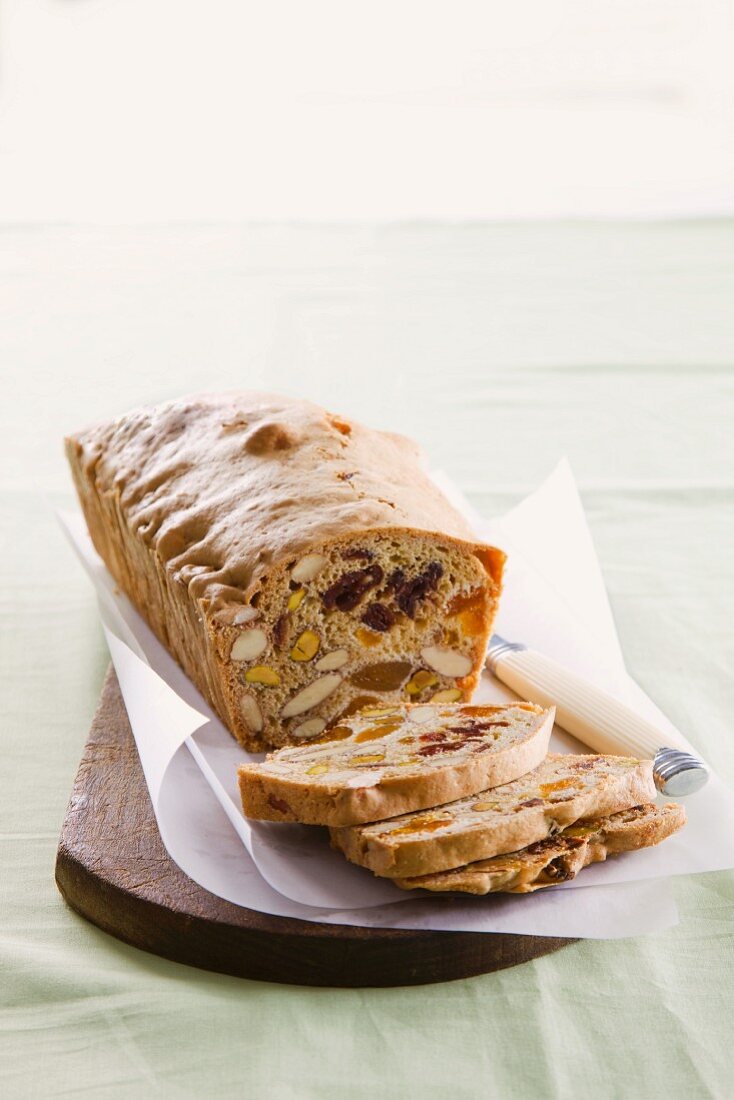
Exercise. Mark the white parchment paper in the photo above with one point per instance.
(554, 600)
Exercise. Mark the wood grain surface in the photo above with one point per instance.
(113, 869)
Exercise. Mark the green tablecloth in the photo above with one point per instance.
(501, 348)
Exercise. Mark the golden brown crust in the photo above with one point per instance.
(563, 789)
(343, 782)
(223, 487)
(557, 859)
(201, 507)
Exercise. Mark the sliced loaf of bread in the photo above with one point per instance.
(295, 563)
(559, 858)
(561, 791)
(385, 761)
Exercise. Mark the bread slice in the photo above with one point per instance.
(297, 565)
(559, 858)
(563, 789)
(385, 761)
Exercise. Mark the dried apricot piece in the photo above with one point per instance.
(336, 733)
(424, 824)
(360, 702)
(469, 609)
(382, 675)
(373, 733)
(559, 785)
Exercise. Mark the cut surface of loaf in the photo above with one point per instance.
(385, 761)
(297, 565)
(559, 858)
(563, 789)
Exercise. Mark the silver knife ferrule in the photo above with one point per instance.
(677, 772)
(498, 647)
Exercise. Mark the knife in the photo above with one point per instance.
(595, 717)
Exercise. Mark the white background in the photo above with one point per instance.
(150, 110)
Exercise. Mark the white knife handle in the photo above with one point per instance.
(592, 715)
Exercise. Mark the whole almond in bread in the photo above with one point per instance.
(560, 858)
(563, 789)
(385, 761)
(296, 564)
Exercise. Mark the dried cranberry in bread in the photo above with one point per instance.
(296, 564)
(563, 789)
(385, 761)
(559, 858)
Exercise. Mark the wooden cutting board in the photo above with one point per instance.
(113, 869)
